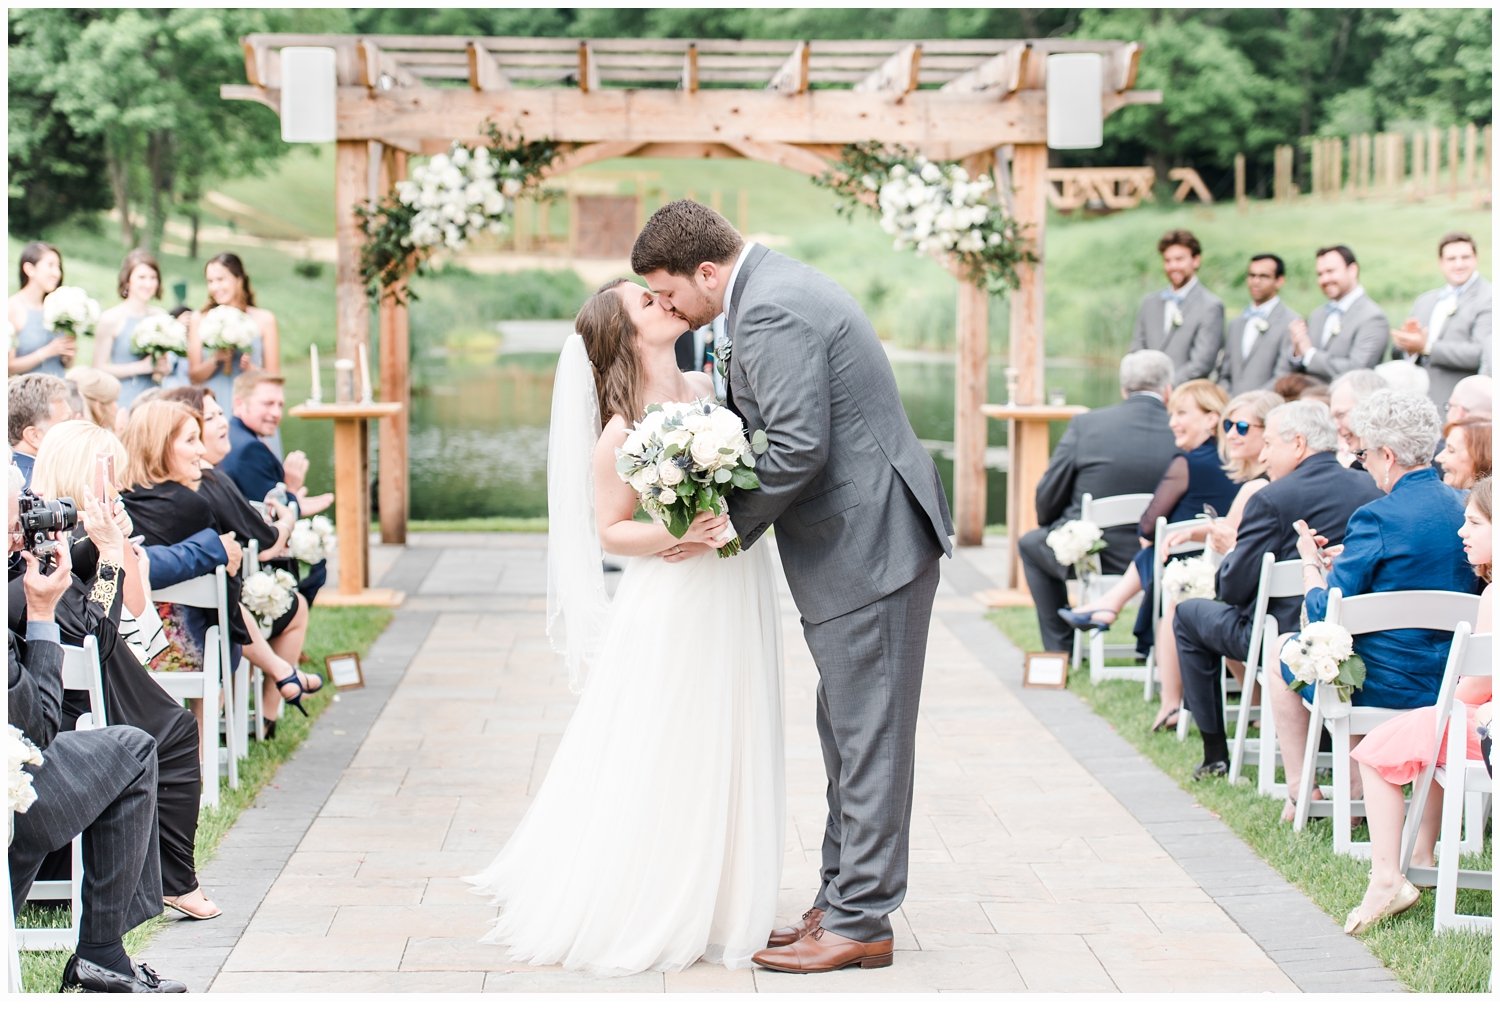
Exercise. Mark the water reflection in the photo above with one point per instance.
(478, 440)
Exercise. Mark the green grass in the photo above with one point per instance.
(1453, 961)
(332, 630)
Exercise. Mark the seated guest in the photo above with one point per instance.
(1344, 394)
(1396, 752)
(1185, 319)
(1349, 331)
(100, 392)
(1194, 481)
(1306, 483)
(1400, 541)
(93, 606)
(164, 476)
(34, 403)
(1449, 328)
(1468, 452)
(1402, 374)
(1297, 386)
(1122, 449)
(100, 783)
(1257, 338)
(1471, 397)
(234, 513)
(259, 401)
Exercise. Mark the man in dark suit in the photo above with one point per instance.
(1185, 319)
(1256, 339)
(1122, 449)
(1306, 483)
(1349, 331)
(100, 783)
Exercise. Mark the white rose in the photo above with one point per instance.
(698, 421)
(649, 474)
(668, 496)
(669, 473)
(638, 481)
(706, 451)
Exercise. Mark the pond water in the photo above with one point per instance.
(479, 427)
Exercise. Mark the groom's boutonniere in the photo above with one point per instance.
(1337, 327)
(723, 349)
(1260, 324)
(1176, 316)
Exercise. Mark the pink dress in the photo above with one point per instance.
(1398, 750)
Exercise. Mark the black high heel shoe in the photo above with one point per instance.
(1083, 620)
(295, 678)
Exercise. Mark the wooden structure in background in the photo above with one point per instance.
(793, 104)
(1105, 188)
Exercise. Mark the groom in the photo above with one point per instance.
(861, 521)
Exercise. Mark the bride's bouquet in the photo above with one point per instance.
(70, 311)
(685, 458)
(158, 335)
(1324, 653)
(226, 328)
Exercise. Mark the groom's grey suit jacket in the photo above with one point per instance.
(858, 506)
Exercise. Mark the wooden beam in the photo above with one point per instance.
(970, 426)
(395, 385)
(1115, 101)
(587, 154)
(897, 76)
(689, 81)
(1001, 74)
(269, 97)
(798, 159)
(695, 150)
(588, 69)
(1126, 63)
(1029, 188)
(252, 64)
(484, 73)
(791, 79)
(351, 181)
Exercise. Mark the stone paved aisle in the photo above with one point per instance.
(1026, 873)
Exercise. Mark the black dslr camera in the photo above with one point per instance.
(43, 521)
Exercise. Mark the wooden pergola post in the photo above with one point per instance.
(970, 427)
(395, 385)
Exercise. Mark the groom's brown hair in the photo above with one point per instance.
(681, 235)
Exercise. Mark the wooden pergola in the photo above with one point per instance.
(793, 104)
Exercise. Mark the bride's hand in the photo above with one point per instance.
(709, 529)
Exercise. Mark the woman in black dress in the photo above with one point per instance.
(168, 505)
(104, 580)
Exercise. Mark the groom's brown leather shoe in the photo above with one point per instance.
(788, 935)
(821, 951)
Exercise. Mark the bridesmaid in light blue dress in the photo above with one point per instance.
(229, 284)
(37, 349)
(139, 285)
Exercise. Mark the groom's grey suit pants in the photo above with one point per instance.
(869, 684)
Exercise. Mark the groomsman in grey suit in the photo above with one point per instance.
(1258, 337)
(1450, 328)
(1349, 331)
(1185, 320)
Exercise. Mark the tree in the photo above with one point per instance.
(1437, 67)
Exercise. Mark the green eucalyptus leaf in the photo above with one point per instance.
(759, 443)
(722, 476)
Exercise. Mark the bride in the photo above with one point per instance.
(656, 839)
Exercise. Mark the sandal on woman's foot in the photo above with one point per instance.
(179, 904)
(1161, 724)
(1083, 620)
(1289, 811)
(1405, 897)
(295, 678)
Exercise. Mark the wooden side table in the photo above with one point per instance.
(351, 489)
(1030, 449)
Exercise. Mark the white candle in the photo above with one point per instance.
(364, 374)
(317, 382)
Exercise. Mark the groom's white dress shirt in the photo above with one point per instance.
(733, 274)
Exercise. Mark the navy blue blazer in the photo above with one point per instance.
(1319, 491)
(198, 555)
(1406, 540)
(251, 462)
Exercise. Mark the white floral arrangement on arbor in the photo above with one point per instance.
(934, 208)
(70, 311)
(1188, 579)
(312, 540)
(158, 335)
(1077, 542)
(268, 595)
(1324, 653)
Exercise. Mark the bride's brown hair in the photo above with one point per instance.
(609, 338)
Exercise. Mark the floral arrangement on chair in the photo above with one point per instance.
(1188, 579)
(1077, 543)
(1324, 653)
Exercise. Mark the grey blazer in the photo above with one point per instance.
(1194, 346)
(1361, 342)
(1460, 348)
(1241, 374)
(858, 506)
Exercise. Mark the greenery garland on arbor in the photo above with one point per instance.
(934, 208)
(446, 202)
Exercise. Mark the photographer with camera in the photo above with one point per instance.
(101, 783)
(68, 467)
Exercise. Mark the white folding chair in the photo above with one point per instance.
(1116, 510)
(252, 675)
(81, 672)
(1431, 609)
(1159, 561)
(1278, 581)
(209, 592)
(1466, 785)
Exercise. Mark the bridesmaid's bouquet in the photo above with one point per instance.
(70, 311)
(686, 458)
(158, 335)
(1324, 653)
(226, 328)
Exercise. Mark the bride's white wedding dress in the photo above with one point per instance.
(656, 839)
